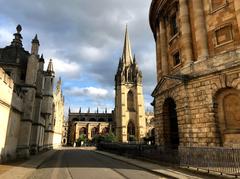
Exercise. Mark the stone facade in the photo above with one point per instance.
(129, 104)
(197, 98)
(89, 124)
(65, 133)
(29, 98)
(6, 85)
(58, 114)
(150, 125)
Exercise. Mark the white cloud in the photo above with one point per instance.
(92, 92)
(66, 68)
(92, 53)
(5, 36)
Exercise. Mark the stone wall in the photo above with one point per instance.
(197, 100)
(6, 85)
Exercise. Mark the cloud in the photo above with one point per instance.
(5, 36)
(92, 92)
(85, 40)
(91, 53)
(66, 68)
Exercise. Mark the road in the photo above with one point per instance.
(86, 164)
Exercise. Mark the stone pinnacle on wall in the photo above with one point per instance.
(17, 41)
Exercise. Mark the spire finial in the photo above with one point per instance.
(59, 84)
(127, 52)
(17, 41)
(50, 66)
(41, 59)
(35, 39)
(19, 28)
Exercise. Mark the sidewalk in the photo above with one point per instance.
(26, 168)
(168, 172)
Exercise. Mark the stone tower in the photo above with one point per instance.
(129, 103)
(47, 108)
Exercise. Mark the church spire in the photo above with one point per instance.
(127, 52)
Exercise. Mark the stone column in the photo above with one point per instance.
(88, 131)
(200, 29)
(163, 47)
(158, 54)
(186, 38)
(237, 10)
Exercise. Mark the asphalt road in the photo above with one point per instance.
(86, 164)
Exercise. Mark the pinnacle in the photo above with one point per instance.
(127, 52)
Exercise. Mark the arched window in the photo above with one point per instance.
(75, 119)
(130, 101)
(131, 129)
(101, 120)
(105, 130)
(82, 119)
(94, 132)
(83, 130)
(92, 119)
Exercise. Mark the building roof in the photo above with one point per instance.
(15, 54)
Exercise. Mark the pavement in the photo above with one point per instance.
(24, 169)
(168, 172)
(89, 163)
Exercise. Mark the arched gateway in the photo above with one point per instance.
(170, 123)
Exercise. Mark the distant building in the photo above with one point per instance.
(26, 100)
(197, 98)
(58, 114)
(129, 109)
(65, 133)
(89, 124)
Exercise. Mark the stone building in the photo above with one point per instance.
(6, 85)
(197, 98)
(27, 97)
(150, 125)
(129, 104)
(87, 123)
(58, 114)
(65, 133)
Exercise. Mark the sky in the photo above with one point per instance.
(84, 38)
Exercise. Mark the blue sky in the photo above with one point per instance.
(85, 40)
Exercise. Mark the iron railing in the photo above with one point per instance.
(217, 159)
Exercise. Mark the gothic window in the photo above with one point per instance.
(131, 129)
(130, 101)
(176, 59)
